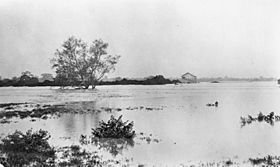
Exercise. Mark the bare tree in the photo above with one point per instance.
(83, 64)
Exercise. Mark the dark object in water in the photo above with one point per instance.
(209, 105)
(215, 104)
(228, 162)
(114, 128)
(260, 117)
(266, 161)
(270, 118)
(215, 82)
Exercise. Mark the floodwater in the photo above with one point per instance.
(186, 128)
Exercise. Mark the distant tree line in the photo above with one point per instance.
(221, 79)
(28, 79)
(155, 80)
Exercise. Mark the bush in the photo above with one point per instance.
(114, 128)
(266, 161)
(31, 148)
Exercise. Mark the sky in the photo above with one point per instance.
(238, 38)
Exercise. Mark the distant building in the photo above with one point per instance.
(188, 78)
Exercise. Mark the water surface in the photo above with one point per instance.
(188, 130)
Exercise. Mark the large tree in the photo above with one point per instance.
(76, 62)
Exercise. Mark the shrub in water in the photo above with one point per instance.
(114, 128)
(31, 148)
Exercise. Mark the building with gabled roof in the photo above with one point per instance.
(188, 78)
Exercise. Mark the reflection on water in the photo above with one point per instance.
(113, 146)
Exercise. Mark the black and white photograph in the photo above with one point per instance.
(139, 83)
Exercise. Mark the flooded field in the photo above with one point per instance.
(173, 123)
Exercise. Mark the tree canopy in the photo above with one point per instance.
(26, 79)
(78, 62)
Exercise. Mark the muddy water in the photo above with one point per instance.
(177, 115)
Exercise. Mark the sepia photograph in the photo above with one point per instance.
(139, 83)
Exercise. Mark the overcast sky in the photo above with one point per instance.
(239, 38)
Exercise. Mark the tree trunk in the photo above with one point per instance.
(86, 86)
(93, 83)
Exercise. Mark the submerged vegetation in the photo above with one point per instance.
(30, 148)
(270, 118)
(43, 112)
(74, 155)
(266, 161)
(10, 105)
(113, 136)
(39, 111)
(114, 128)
